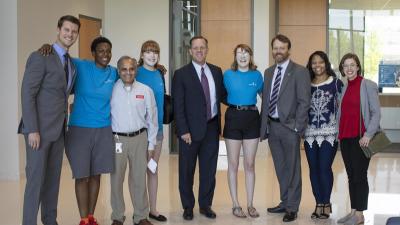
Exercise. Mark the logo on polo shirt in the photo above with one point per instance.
(140, 96)
(253, 84)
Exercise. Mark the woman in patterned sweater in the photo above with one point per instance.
(320, 137)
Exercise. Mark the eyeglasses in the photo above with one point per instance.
(352, 66)
(242, 53)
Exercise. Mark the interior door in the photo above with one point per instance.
(90, 29)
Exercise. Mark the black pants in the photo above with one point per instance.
(357, 168)
(206, 150)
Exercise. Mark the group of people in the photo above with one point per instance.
(117, 119)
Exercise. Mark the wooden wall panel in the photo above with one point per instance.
(302, 12)
(305, 23)
(387, 100)
(225, 10)
(223, 36)
(225, 23)
(305, 40)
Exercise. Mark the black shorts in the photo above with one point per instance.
(241, 124)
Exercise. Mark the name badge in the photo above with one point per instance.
(118, 147)
(140, 96)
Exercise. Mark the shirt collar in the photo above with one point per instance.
(198, 66)
(122, 85)
(284, 64)
(60, 50)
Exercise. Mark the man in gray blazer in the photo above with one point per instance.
(286, 100)
(46, 85)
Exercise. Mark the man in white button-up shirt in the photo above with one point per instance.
(134, 124)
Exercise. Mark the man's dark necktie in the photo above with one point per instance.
(66, 66)
(206, 90)
(275, 92)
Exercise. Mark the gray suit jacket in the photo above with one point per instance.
(293, 101)
(44, 96)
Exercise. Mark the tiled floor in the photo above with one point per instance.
(384, 198)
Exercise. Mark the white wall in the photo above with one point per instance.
(25, 26)
(262, 32)
(9, 156)
(36, 26)
(130, 23)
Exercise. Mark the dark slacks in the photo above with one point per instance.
(320, 159)
(206, 150)
(43, 170)
(285, 149)
(356, 165)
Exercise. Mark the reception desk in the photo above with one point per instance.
(390, 121)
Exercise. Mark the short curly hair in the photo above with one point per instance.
(98, 41)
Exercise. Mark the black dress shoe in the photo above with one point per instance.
(160, 217)
(117, 222)
(188, 214)
(208, 212)
(289, 216)
(276, 209)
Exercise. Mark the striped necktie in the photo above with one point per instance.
(275, 92)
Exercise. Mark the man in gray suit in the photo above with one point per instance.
(46, 85)
(286, 100)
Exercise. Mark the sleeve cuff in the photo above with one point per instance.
(151, 147)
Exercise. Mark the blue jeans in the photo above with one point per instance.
(320, 159)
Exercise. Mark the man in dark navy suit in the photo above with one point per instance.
(198, 89)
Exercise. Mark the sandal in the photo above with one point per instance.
(252, 212)
(317, 212)
(238, 212)
(326, 210)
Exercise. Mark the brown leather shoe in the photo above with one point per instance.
(144, 222)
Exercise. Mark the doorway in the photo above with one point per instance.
(90, 29)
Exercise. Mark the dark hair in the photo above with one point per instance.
(328, 67)
(69, 18)
(281, 38)
(97, 41)
(247, 49)
(198, 37)
(125, 57)
(350, 56)
(152, 46)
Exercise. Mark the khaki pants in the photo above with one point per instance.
(134, 150)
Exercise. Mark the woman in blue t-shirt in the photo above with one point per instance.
(320, 141)
(242, 123)
(149, 74)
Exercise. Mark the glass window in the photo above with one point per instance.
(185, 23)
(372, 33)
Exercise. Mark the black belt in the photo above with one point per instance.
(274, 119)
(130, 134)
(243, 107)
